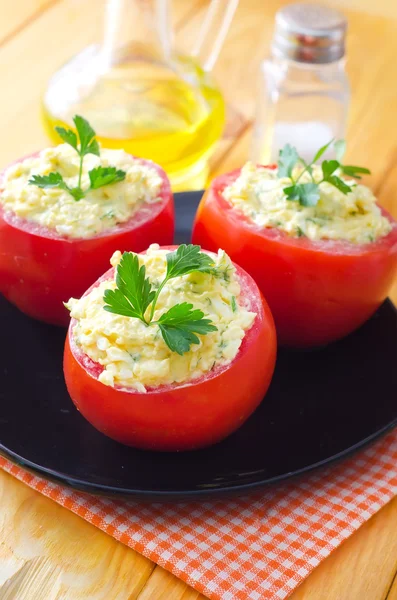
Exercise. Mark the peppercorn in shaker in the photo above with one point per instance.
(304, 91)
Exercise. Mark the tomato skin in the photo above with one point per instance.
(40, 270)
(318, 292)
(179, 416)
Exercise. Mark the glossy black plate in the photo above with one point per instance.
(321, 406)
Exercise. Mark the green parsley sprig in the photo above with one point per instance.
(135, 297)
(308, 194)
(84, 144)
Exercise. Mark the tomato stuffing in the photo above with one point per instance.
(318, 291)
(40, 269)
(179, 416)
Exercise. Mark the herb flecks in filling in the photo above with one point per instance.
(172, 346)
(309, 200)
(39, 189)
(135, 296)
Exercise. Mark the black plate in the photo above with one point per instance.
(321, 406)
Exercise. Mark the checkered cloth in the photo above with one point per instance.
(255, 547)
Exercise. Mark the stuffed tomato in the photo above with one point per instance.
(176, 380)
(61, 220)
(324, 266)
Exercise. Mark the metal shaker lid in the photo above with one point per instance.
(309, 33)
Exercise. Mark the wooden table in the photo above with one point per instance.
(46, 552)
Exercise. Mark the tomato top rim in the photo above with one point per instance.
(145, 212)
(255, 302)
(334, 247)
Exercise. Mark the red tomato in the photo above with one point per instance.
(179, 416)
(40, 269)
(317, 291)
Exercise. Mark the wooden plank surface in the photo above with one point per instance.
(393, 590)
(15, 16)
(80, 559)
(46, 552)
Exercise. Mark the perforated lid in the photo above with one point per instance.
(309, 33)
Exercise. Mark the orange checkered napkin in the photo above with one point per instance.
(255, 547)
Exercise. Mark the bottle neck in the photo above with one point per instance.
(139, 28)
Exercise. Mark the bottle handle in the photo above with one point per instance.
(213, 32)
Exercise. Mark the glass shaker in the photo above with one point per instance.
(304, 91)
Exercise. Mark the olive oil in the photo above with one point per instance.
(171, 116)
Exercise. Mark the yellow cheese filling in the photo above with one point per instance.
(98, 211)
(136, 356)
(354, 217)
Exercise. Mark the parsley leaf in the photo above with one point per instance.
(134, 291)
(288, 159)
(68, 136)
(307, 194)
(76, 192)
(180, 324)
(84, 144)
(55, 180)
(355, 172)
(339, 184)
(187, 259)
(321, 151)
(52, 180)
(101, 176)
(340, 149)
(88, 143)
(328, 167)
(134, 295)
(292, 192)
